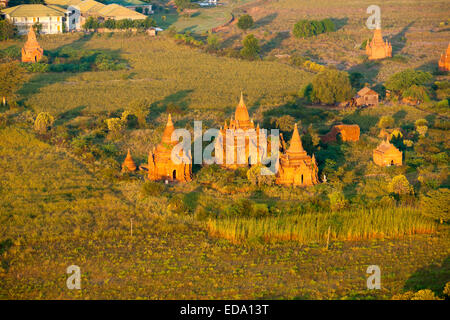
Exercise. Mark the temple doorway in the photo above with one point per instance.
(174, 174)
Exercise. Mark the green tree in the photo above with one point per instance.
(436, 204)
(115, 127)
(403, 80)
(386, 122)
(284, 123)
(91, 23)
(303, 29)
(140, 109)
(400, 185)
(245, 22)
(331, 86)
(37, 27)
(12, 75)
(43, 122)
(251, 48)
(7, 30)
(416, 92)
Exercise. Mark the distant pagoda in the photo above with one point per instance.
(32, 51)
(444, 62)
(377, 48)
(296, 168)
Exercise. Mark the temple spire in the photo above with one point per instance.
(241, 113)
(296, 143)
(167, 135)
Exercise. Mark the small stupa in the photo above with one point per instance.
(128, 163)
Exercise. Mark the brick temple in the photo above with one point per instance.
(444, 61)
(160, 165)
(295, 167)
(32, 51)
(386, 154)
(378, 48)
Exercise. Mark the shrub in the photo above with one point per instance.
(245, 22)
(435, 204)
(153, 189)
(43, 122)
(425, 294)
(7, 30)
(386, 122)
(309, 28)
(115, 127)
(400, 186)
(260, 175)
(251, 48)
(337, 201)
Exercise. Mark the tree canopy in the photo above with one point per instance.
(245, 22)
(403, 80)
(331, 86)
(308, 28)
(251, 47)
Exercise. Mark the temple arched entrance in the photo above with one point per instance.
(174, 174)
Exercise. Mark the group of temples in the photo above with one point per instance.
(295, 166)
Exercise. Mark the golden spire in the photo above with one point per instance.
(241, 113)
(295, 145)
(167, 135)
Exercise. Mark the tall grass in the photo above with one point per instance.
(347, 225)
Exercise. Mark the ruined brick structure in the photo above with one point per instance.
(295, 167)
(346, 132)
(386, 154)
(31, 51)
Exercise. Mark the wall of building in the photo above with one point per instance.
(50, 25)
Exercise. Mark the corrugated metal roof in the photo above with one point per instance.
(33, 10)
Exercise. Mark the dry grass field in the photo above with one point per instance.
(64, 201)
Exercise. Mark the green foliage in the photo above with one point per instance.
(213, 42)
(418, 93)
(403, 80)
(153, 189)
(425, 294)
(37, 27)
(251, 47)
(337, 200)
(436, 204)
(313, 227)
(43, 122)
(386, 122)
(245, 22)
(284, 123)
(10, 53)
(308, 28)
(12, 75)
(331, 86)
(116, 126)
(260, 175)
(91, 23)
(37, 67)
(400, 185)
(7, 30)
(140, 108)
